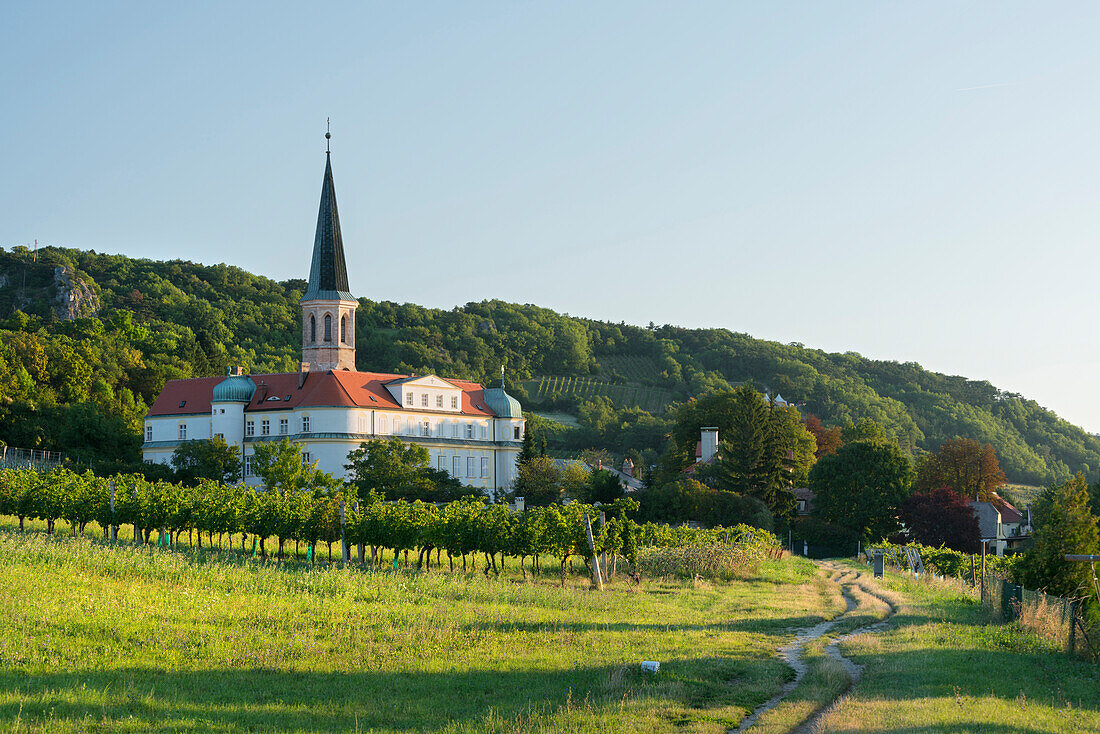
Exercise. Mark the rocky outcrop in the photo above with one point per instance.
(74, 298)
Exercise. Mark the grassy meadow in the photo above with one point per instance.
(123, 638)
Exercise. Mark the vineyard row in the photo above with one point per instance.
(460, 528)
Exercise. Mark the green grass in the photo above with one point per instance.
(124, 638)
(941, 667)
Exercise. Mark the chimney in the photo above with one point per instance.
(709, 440)
(599, 464)
(628, 468)
(303, 373)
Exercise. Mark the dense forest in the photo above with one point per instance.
(87, 341)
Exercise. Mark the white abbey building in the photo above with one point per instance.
(328, 407)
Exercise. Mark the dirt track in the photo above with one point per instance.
(792, 653)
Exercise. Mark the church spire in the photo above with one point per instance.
(328, 275)
(328, 308)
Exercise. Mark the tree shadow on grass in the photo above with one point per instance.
(762, 625)
(150, 699)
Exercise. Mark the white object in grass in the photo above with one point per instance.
(650, 666)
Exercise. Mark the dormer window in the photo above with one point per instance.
(183, 403)
(439, 400)
(454, 402)
(409, 399)
(424, 400)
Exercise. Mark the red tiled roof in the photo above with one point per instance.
(340, 389)
(1009, 514)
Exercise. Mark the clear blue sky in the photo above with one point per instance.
(910, 181)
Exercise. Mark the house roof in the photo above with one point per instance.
(1009, 514)
(321, 389)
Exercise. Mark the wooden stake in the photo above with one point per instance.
(597, 580)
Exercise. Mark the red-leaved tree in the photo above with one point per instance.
(941, 517)
(965, 466)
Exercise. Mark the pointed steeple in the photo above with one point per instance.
(328, 308)
(328, 275)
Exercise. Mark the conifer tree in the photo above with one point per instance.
(1064, 526)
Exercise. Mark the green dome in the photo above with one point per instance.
(503, 404)
(234, 389)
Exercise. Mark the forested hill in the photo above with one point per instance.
(89, 339)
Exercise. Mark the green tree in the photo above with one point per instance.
(393, 468)
(207, 459)
(539, 482)
(757, 453)
(604, 487)
(861, 486)
(1064, 526)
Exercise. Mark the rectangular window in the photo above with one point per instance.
(441, 463)
(148, 433)
(307, 458)
(183, 432)
(284, 426)
(265, 427)
(220, 435)
(484, 467)
(250, 428)
(454, 402)
(515, 433)
(469, 430)
(439, 400)
(425, 429)
(383, 424)
(305, 424)
(456, 467)
(471, 467)
(248, 465)
(424, 400)
(409, 400)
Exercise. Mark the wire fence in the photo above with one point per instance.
(13, 458)
(1058, 619)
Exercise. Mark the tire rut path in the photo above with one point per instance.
(792, 652)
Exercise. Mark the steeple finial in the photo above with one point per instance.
(328, 134)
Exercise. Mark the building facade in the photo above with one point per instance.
(329, 408)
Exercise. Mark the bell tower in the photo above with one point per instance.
(328, 307)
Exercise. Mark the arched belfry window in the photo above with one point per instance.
(344, 329)
(312, 328)
(328, 327)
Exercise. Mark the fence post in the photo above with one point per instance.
(1072, 626)
(114, 525)
(603, 556)
(983, 572)
(343, 542)
(597, 580)
(362, 549)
